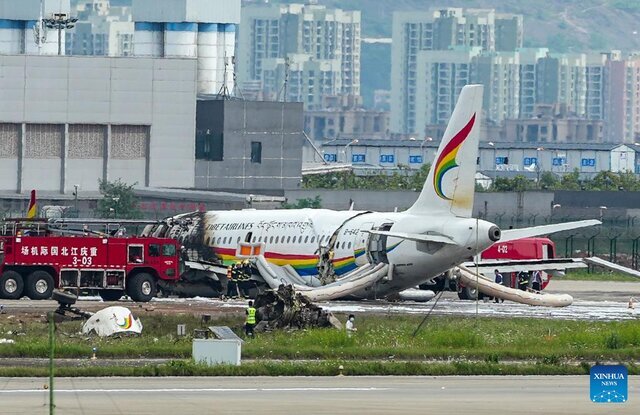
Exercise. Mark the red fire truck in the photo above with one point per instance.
(35, 259)
(521, 249)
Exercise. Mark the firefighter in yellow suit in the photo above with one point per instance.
(251, 320)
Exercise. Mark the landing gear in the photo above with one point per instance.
(111, 295)
(468, 293)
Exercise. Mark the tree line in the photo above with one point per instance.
(405, 179)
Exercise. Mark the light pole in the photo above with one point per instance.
(422, 145)
(602, 209)
(115, 206)
(538, 150)
(75, 195)
(59, 22)
(344, 150)
(553, 208)
(495, 163)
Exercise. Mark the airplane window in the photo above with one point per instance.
(306, 239)
(313, 239)
(253, 240)
(239, 238)
(224, 240)
(271, 240)
(218, 240)
(288, 239)
(259, 239)
(277, 239)
(349, 246)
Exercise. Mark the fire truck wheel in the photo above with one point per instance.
(111, 295)
(11, 285)
(471, 293)
(142, 287)
(39, 285)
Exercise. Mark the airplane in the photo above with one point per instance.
(330, 254)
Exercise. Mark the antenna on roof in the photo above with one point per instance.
(236, 88)
(224, 89)
(287, 63)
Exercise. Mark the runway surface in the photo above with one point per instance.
(593, 300)
(303, 395)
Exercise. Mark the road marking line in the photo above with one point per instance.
(328, 389)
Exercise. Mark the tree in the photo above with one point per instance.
(118, 201)
(313, 203)
(549, 181)
(605, 180)
(571, 181)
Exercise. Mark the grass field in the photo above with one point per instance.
(583, 275)
(379, 338)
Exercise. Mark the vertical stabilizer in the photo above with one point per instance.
(450, 186)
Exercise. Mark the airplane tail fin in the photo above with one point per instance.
(33, 207)
(450, 186)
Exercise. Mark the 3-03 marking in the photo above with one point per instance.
(85, 260)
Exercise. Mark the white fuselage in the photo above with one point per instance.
(299, 237)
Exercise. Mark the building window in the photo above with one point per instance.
(256, 152)
(209, 146)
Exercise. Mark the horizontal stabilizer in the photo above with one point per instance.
(611, 266)
(512, 234)
(417, 237)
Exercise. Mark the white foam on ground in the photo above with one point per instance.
(579, 310)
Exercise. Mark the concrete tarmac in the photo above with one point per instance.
(312, 395)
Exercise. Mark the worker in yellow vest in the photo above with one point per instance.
(251, 320)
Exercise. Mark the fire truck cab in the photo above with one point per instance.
(34, 260)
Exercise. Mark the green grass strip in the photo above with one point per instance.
(325, 368)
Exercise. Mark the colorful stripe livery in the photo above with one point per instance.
(304, 265)
(127, 323)
(447, 159)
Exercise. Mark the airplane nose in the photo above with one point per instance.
(494, 234)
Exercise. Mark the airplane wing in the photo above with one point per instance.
(511, 234)
(510, 265)
(417, 237)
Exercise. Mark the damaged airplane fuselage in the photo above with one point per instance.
(361, 254)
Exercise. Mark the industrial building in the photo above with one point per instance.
(493, 157)
(67, 122)
(248, 145)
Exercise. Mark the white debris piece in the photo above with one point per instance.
(112, 320)
(7, 341)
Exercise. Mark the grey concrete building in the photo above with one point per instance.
(248, 145)
(68, 121)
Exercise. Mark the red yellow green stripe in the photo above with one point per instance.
(447, 159)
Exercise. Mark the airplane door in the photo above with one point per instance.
(360, 244)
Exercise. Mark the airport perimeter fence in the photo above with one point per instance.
(616, 240)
